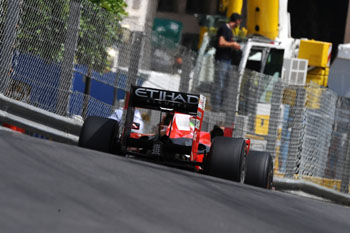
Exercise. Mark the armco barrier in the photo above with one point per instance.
(61, 129)
(311, 188)
(306, 129)
(66, 130)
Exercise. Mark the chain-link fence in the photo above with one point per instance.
(73, 58)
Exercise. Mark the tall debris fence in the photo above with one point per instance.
(73, 59)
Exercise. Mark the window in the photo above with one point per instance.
(254, 60)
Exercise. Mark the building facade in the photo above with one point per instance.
(186, 13)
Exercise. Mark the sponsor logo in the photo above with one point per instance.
(166, 97)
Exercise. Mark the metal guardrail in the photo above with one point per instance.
(311, 188)
(66, 130)
(30, 118)
(33, 63)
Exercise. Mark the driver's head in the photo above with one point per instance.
(216, 131)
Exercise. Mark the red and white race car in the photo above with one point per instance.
(180, 142)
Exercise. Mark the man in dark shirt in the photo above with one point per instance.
(223, 56)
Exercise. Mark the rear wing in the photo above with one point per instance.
(157, 99)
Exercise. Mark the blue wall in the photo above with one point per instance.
(42, 78)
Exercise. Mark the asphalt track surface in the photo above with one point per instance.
(53, 187)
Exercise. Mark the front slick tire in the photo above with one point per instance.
(99, 133)
(227, 159)
(259, 169)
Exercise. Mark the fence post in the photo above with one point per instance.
(345, 178)
(186, 69)
(296, 138)
(67, 67)
(344, 187)
(133, 70)
(135, 53)
(87, 90)
(8, 41)
(253, 97)
(275, 113)
(2, 8)
(231, 97)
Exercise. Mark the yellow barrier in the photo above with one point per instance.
(262, 18)
(325, 83)
(262, 124)
(319, 79)
(234, 6)
(289, 95)
(318, 75)
(328, 183)
(319, 71)
(325, 182)
(230, 6)
(318, 53)
(313, 96)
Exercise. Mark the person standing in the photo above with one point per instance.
(225, 46)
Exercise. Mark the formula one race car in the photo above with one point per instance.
(180, 142)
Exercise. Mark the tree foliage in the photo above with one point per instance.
(43, 26)
(99, 30)
(117, 7)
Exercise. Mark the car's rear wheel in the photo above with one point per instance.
(227, 159)
(259, 169)
(99, 133)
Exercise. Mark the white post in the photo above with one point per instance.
(70, 46)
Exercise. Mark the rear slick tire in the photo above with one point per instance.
(99, 133)
(227, 159)
(259, 169)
